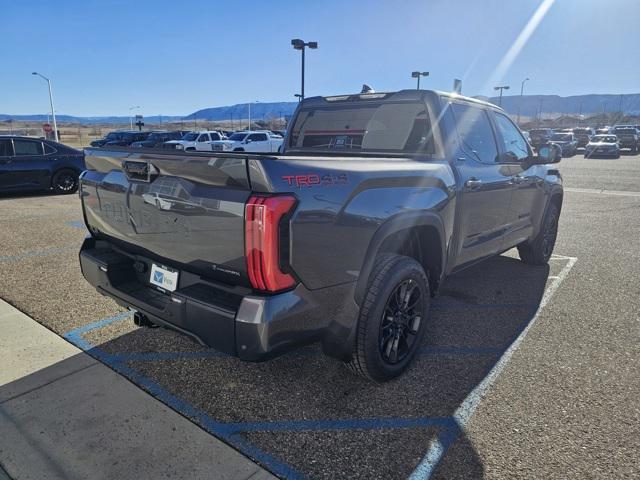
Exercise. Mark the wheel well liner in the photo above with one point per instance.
(417, 235)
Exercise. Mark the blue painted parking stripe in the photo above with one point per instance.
(77, 224)
(160, 356)
(221, 430)
(99, 324)
(167, 356)
(35, 253)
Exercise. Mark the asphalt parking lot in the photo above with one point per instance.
(482, 401)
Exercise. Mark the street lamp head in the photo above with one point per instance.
(312, 44)
(34, 73)
(415, 74)
(297, 43)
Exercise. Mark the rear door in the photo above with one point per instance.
(528, 199)
(6, 157)
(29, 168)
(486, 185)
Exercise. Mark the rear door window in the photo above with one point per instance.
(475, 132)
(6, 149)
(27, 147)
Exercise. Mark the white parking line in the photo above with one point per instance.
(469, 405)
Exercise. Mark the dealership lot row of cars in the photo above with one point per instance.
(32, 164)
(606, 141)
(263, 141)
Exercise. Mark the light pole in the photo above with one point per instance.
(131, 116)
(300, 45)
(418, 75)
(501, 88)
(250, 113)
(53, 112)
(521, 92)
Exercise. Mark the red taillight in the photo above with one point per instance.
(262, 242)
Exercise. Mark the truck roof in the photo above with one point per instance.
(408, 94)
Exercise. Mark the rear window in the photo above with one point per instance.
(358, 127)
(625, 130)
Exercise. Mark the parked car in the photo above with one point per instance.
(256, 141)
(158, 137)
(341, 240)
(567, 143)
(628, 137)
(194, 141)
(127, 138)
(540, 136)
(28, 163)
(603, 145)
(111, 137)
(583, 135)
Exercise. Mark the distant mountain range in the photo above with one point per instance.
(529, 107)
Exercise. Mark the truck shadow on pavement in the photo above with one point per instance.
(305, 415)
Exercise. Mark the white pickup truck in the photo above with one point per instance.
(199, 141)
(259, 141)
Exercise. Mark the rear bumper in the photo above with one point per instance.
(230, 320)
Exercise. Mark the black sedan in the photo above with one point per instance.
(28, 163)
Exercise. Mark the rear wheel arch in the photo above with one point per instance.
(419, 236)
(557, 198)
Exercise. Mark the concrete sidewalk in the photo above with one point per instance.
(64, 415)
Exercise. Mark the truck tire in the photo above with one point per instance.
(65, 181)
(539, 251)
(392, 320)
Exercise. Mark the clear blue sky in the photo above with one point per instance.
(173, 58)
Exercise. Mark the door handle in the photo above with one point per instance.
(473, 183)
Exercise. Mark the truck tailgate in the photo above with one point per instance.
(186, 210)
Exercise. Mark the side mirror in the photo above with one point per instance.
(551, 153)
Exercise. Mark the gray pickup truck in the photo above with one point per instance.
(342, 239)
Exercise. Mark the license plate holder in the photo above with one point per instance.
(164, 277)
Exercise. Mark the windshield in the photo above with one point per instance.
(625, 130)
(582, 131)
(562, 137)
(238, 137)
(190, 137)
(604, 139)
(539, 132)
(111, 136)
(364, 127)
